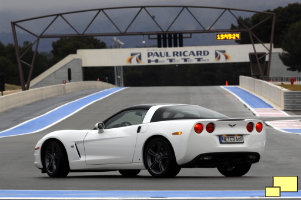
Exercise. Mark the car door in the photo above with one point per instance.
(116, 143)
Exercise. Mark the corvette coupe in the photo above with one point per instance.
(160, 138)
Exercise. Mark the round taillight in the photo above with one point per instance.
(210, 127)
(259, 127)
(198, 128)
(250, 126)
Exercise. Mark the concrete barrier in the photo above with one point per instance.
(267, 90)
(30, 96)
(280, 97)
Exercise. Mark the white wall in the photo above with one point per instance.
(59, 72)
(26, 97)
(162, 56)
(278, 69)
(267, 90)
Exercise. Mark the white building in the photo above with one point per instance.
(156, 56)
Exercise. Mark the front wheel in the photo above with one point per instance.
(129, 172)
(236, 170)
(56, 160)
(159, 159)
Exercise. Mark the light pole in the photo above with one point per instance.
(118, 70)
(143, 41)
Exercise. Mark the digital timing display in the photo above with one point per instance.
(228, 36)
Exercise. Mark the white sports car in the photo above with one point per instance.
(160, 138)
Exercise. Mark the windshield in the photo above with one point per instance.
(185, 112)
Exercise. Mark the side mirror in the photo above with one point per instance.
(100, 126)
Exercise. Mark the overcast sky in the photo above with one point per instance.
(11, 10)
(49, 6)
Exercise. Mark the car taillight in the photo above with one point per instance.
(250, 126)
(210, 127)
(259, 127)
(198, 128)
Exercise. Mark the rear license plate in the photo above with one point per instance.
(231, 139)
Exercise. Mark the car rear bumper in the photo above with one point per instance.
(200, 144)
(222, 158)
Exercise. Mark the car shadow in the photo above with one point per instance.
(148, 177)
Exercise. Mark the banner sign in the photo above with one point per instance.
(167, 56)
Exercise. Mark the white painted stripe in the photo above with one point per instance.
(151, 198)
(141, 194)
(127, 198)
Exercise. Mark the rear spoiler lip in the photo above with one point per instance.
(265, 119)
(231, 119)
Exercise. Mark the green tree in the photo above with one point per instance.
(291, 44)
(61, 48)
(2, 49)
(9, 69)
(66, 46)
(285, 16)
(8, 63)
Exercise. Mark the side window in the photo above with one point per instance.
(126, 118)
(185, 112)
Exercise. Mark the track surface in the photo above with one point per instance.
(282, 157)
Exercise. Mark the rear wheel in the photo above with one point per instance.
(55, 160)
(129, 173)
(234, 170)
(159, 159)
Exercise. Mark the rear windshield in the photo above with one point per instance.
(185, 112)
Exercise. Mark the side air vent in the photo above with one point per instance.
(77, 151)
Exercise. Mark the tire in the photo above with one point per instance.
(129, 173)
(159, 159)
(55, 160)
(234, 170)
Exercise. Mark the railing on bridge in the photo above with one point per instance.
(282, 79)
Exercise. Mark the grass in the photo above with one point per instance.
(10, 88)
(291, 87)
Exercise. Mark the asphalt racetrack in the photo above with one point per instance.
(282, 156)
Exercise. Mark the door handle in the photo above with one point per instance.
(138, 129)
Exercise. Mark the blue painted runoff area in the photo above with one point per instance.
(293, 130)
(57, 114)
(136, 194)
(254, 102)
(250, 99)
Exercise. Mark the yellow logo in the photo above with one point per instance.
(282, 184)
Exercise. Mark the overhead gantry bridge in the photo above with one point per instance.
(151, 21)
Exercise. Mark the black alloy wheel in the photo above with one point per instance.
(159, 159)
(234, 170)
(55, 160)
(129, 172)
